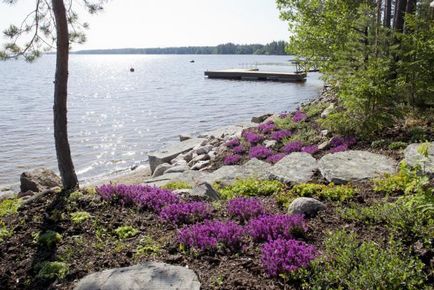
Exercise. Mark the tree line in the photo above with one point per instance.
(273, 48)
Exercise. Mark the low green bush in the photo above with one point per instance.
(381, 143)
(348, 263)
(4, 232)
(9, 206)
(315, 109)
(80, 217)
(147, 246)
(175, 185)
(418, 134)
(250, 187)
(53, 270)
(49, 238)
(126, 232)
(397, 145)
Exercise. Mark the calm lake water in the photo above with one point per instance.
(117, 117)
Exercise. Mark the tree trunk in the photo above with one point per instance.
(387, 13)
(64, 160)
(399, 15)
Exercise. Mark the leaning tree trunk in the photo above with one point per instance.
(63, 151)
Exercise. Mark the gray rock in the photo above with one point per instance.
(261, 119)
(200, 165)
(188, 156)
(229, 131)
(39, 180)
(270, 143)
(297, 167)
(414, 158)
(161, 169)
(328, 111)
(324, 145)
(205, 190)
(355, 165)
(325, 133)
(204, 150)
(197, 159)
(225, 174)
(184, 137)
(177, 169)
(306, 206)
(150, 276)
(255, 168)
(169, 153)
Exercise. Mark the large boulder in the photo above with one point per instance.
(151, 275)
(297, 167)
(205, 190)
(255, 168)
(39, 180)
(160, 169)
(414, 158)
(355, 165)
(306, 206)
(169, 153)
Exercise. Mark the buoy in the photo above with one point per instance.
(192, 61)
(132, 69)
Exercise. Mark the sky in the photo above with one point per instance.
(166, 23)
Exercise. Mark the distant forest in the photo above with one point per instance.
(273, 48)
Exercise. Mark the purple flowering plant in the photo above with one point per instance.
(267, 128)
(232, 159)
(244, 209)
(186, 213)
(311, 149)
(339, 148)
(280, 135)
(275, 158)
(293, 146)
(299, 116)
(239, 149)
(144, 196)
(211, 236)
(232, 143)
(260, 152)
(281, 257)
(272, 227)
(252, 137)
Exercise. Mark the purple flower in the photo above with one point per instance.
(311, 149)
(232, 159)
(299, 116)
(186, 213)
(276, 158)
(339, 140)
(283, 115)
(272, 227)
(232, 143)
(244, 208)
(281, 134)
(239, 149)
(252, 137)
(339, 148)
(260, 152)
(294, 146)
(281, 257)
(147, 197)
(211, 235)
(267, 127)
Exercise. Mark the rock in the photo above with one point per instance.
(297, 167)
(261, 119)
(150, 275)
(325, 133)
(39, 180)
(355, 165)
(177, 169)
(204, 150)
(229, 131)
(324, 145)
(328, 111)
(169, 153)
(161, 169)
(188, 156)
(225, 174)
(7, 195)
(414, 158)
(27, 193)
(197, 159)
(212, 155)
(306, 206)
(200, 165)
(270, 143)
(184, 137)
(205, 190)
(255, 168)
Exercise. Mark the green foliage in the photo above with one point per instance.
(75, 196)
(4, 232)
(126, 232)
(407, 181)
(53, 270)
(348, 263)
(147, 246)
(251, 187)
(175, 185)
(80, 217)
(49, 238)
(397, 145)
(423, 149)
(315, 109)
(285, 123)
(418, 134)
(377, 144)
(9, 206)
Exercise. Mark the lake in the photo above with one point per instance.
(116, 117)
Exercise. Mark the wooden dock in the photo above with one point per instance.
(254, 74)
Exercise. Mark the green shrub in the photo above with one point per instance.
(79, 217)
(9, 206)
(147, 246)
(315, 109)
(175, 185)
(397, 145)
(75, 196)
(407, 181)
(377, 144)
(126, 232)
(285, 123)
(348, 263)
(49, 238)
(4, 232)
(251, 187)
(418, 134)
(53, 270)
